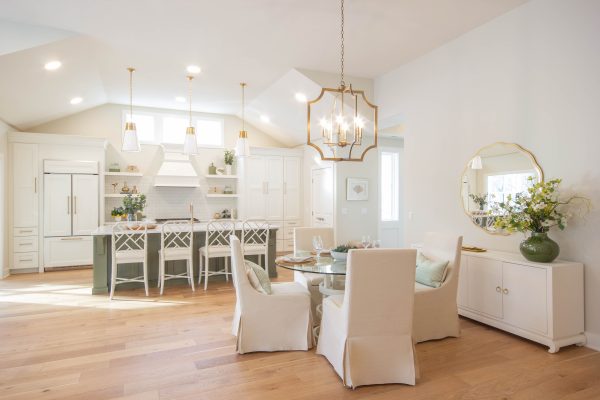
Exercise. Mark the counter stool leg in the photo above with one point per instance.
(206, 272)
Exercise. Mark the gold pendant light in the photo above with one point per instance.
(190, 144)
(130, 137)
(242, 147)
(348, 121)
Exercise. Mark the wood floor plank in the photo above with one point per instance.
(57, 341)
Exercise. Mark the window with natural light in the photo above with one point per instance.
(157, 128)
(500, 186)
(390, 202)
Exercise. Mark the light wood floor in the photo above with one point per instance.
(57, 341)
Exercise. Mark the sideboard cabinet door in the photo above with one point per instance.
(525, 297)
(484, 279)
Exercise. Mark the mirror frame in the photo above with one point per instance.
(528, 153)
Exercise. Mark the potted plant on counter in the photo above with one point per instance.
(536, 212)
(133, 206)
(229, 157)
(117, 213)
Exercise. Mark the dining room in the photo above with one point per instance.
(299, 199)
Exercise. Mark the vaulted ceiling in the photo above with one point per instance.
(262, 42)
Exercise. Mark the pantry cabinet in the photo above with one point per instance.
(541, 302)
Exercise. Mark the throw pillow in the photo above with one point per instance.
(430, 272)
(258, 277)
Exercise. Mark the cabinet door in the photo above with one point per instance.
(85, 204)
(463, 282)
(57, 205)
(484, 280)
(255, 187)
(524, 300)
(25, 185)
(274, 181)
(291, 188)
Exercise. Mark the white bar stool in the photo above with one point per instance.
(129, 247)
(255, 240)
(176, 239)
(216, 245)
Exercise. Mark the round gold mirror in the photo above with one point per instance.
(491, 175)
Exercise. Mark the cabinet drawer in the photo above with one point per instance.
(288, 245)
(33, 231)
(288, 233)
(25, 260)
(25, 244)
(68, 251)
(294, 223)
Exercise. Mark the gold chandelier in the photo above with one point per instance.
(348, 122)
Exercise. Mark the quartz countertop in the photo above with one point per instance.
(106, 230)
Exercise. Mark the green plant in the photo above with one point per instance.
(343, 248)
(537, 210)
(229, 157)
(133, 204)
(117, 211)
(479, 199)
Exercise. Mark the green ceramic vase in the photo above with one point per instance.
(539, 248)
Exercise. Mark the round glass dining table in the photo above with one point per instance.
(324, 265)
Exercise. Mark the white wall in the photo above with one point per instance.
(4, 129)
(106, 122)
(531, 77)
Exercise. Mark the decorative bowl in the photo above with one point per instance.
(339, 256)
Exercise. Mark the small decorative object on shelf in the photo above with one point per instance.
(479, 199)
(114, 185)
(125, 189)
(133, 206)
(536, 212)
(114, 167)
(229, 157)
(133, 168)
(227, 190)
(212, 190)
(217, 215)
(226, 214)
(134, 190)
(118, 213)
(212, 170)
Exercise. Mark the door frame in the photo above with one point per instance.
(333, 174)
(380, 223)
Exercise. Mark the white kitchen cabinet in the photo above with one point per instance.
(85, 204)
(540, 302)
(57, 205)
(68, 251)
(25, 185)
(271, 189)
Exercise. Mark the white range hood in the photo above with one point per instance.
(176, 170)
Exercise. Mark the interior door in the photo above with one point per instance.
(390, 210)
(57, 205)
(25, 185)
(322, 196)
(85, 204)
(274, 186)
(484, 277)
(255, 187)
(291, 188)
(524, 297)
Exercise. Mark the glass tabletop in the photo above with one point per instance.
(323, 265)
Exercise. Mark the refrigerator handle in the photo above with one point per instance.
(75, 206)
(68, 205)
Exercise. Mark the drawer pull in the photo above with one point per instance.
(505, 291)
(71, 238)
(498, 289)
(26, 231)
(25, 259)
(26, 244)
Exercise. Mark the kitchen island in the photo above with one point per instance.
(103, 258)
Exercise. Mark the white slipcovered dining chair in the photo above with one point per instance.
(303, 242)
(279, 321)
(128, 247)
(255, 240)
(436, 310)
(366, 334)
(176, 244)
(216, 245)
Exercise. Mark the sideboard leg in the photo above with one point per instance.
(553, 349)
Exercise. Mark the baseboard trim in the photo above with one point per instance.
(593, 341)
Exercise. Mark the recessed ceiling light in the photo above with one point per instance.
(52, 65)
(180, 99)
(301, 97)
(193, 69)
(265, 119)
(76, 100)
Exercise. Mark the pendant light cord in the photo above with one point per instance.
(243, 85)
(190, 95)
(130, 69)
(342, 83)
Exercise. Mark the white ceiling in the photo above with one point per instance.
(258, 41)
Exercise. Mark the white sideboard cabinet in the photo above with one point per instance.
(540, 302)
